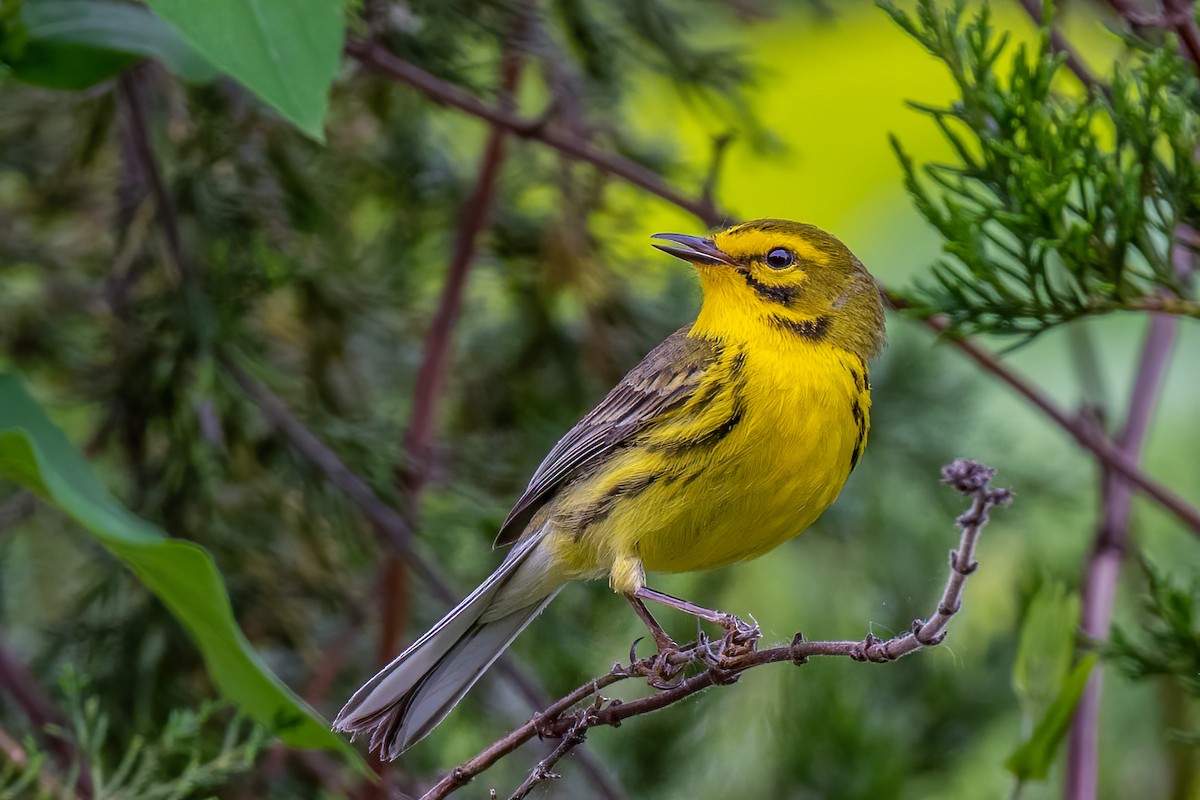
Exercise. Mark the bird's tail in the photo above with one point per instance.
(411, 695)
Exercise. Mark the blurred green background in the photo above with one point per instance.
(321, 266)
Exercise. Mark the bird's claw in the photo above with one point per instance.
(740, 637)
(661, 669)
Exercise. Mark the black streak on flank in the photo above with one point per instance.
(856, 455)
(783, 295)
(709, 437)
(860, 421)
(812, 329)
(580, 519)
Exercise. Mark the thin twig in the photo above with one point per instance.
(720, 145)
(542, 771)
(129, 95)
(374, 56)
(722, 664)
(1110, 455)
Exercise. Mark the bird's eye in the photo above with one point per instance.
(779, 258)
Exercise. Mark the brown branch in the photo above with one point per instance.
(413, 471)
(1111, 456)
(375, 57)
(1060, 46)
(720, 145)
(721, 663)
(576, 736)
(1166, 304)
(1178, 16)
(129, 96)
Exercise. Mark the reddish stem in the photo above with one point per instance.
(1109, 455)
(431, 376)
(1108, 553)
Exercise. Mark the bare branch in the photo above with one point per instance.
(541, 771)
(380, 60)
(1166, 304)
(722, 662)
(130, 96)
(720, 145)
(1111, 456)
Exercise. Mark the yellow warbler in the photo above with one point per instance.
(729, 438)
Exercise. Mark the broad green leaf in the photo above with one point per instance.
(1046, 647)
(285, 51)
(73, 44)
(36, 454)
(1032, 760)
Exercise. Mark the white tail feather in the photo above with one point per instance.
(411, 695)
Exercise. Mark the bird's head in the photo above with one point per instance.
(793, 278)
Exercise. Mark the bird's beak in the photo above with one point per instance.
(696, 249)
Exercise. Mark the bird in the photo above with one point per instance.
(729, 438)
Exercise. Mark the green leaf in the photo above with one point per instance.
(73, 44)
(1032, 760)
(36, 454)
(285, 51)
(1046, 647)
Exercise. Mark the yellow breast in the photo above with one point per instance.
(757, 454)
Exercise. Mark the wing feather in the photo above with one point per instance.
(663, 381)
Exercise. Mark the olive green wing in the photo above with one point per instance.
(663, 381)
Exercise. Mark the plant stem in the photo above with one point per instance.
(1108, 553)
(1110, 456)
(375, 57)
(413, 471)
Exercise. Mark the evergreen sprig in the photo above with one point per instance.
(1166, 641)
(1056, 205)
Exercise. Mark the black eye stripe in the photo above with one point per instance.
(784, 295)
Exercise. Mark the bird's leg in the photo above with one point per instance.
(662, 639)
(737, 632)
(662, 668)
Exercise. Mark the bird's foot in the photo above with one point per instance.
(740, 636)
(661, 669)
